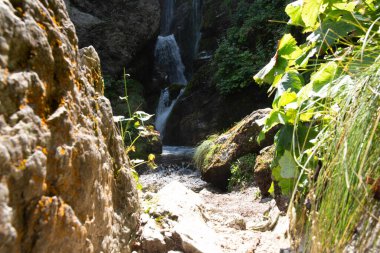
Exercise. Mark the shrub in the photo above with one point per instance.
(247, 44)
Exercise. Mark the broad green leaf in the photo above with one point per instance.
(288, 48)
(143, 116)
(303, 59)
(291, 80)
(271, 189)
(310, 12)
(283, 138)
(291, 115)
(323, 76)
(350, 6)
(306, 116)
(264, 75)
(285, 56)
(288, 165)
(336, 25)
(286, 98)
(294, 11)
(286, 184)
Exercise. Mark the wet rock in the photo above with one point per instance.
(65, 184)
(262, 171)
(236, 142)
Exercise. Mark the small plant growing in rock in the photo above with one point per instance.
(242, 172)
(133, 128)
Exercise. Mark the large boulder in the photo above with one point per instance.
(65, 184)
(215, 156)
(119, 29)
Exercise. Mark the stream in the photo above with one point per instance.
(237, 221)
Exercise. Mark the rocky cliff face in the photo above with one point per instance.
(118, 29)
(64, 180)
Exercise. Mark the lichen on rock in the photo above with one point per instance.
(60, 151)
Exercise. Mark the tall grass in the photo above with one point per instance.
(344, 212)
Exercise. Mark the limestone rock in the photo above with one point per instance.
(236, 142)
(64, 180)
(177, 213)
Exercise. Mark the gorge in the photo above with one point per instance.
(194, 126)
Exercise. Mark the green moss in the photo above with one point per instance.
(204, 152)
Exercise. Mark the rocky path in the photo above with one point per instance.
(182, 213)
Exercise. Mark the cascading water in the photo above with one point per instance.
(168, 58)
(196, 25)
(164, 108)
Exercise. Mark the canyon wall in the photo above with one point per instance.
(65, 184)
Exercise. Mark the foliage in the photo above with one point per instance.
(113, 90)
(131, 129)
(242, 171)
(247, 44)
(326, 89)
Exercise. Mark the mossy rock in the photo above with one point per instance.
(215, 157)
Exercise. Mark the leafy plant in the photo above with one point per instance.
(131, 129)
(247, 44)
(242, 171)
(326, 89)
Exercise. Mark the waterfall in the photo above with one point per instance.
(196, 24)
(167, 17)
(168, 59)
(164, 108)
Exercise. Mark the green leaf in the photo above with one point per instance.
(336, 25)
(291, 80)
(265, 75)
(143, 116)
(310, 12)
(288, 165)
(286, 184)
(271, 189)
(288, 48)
(294, 11)
(286, 98)
(306, 116)
(322, 77)
(285, 56)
